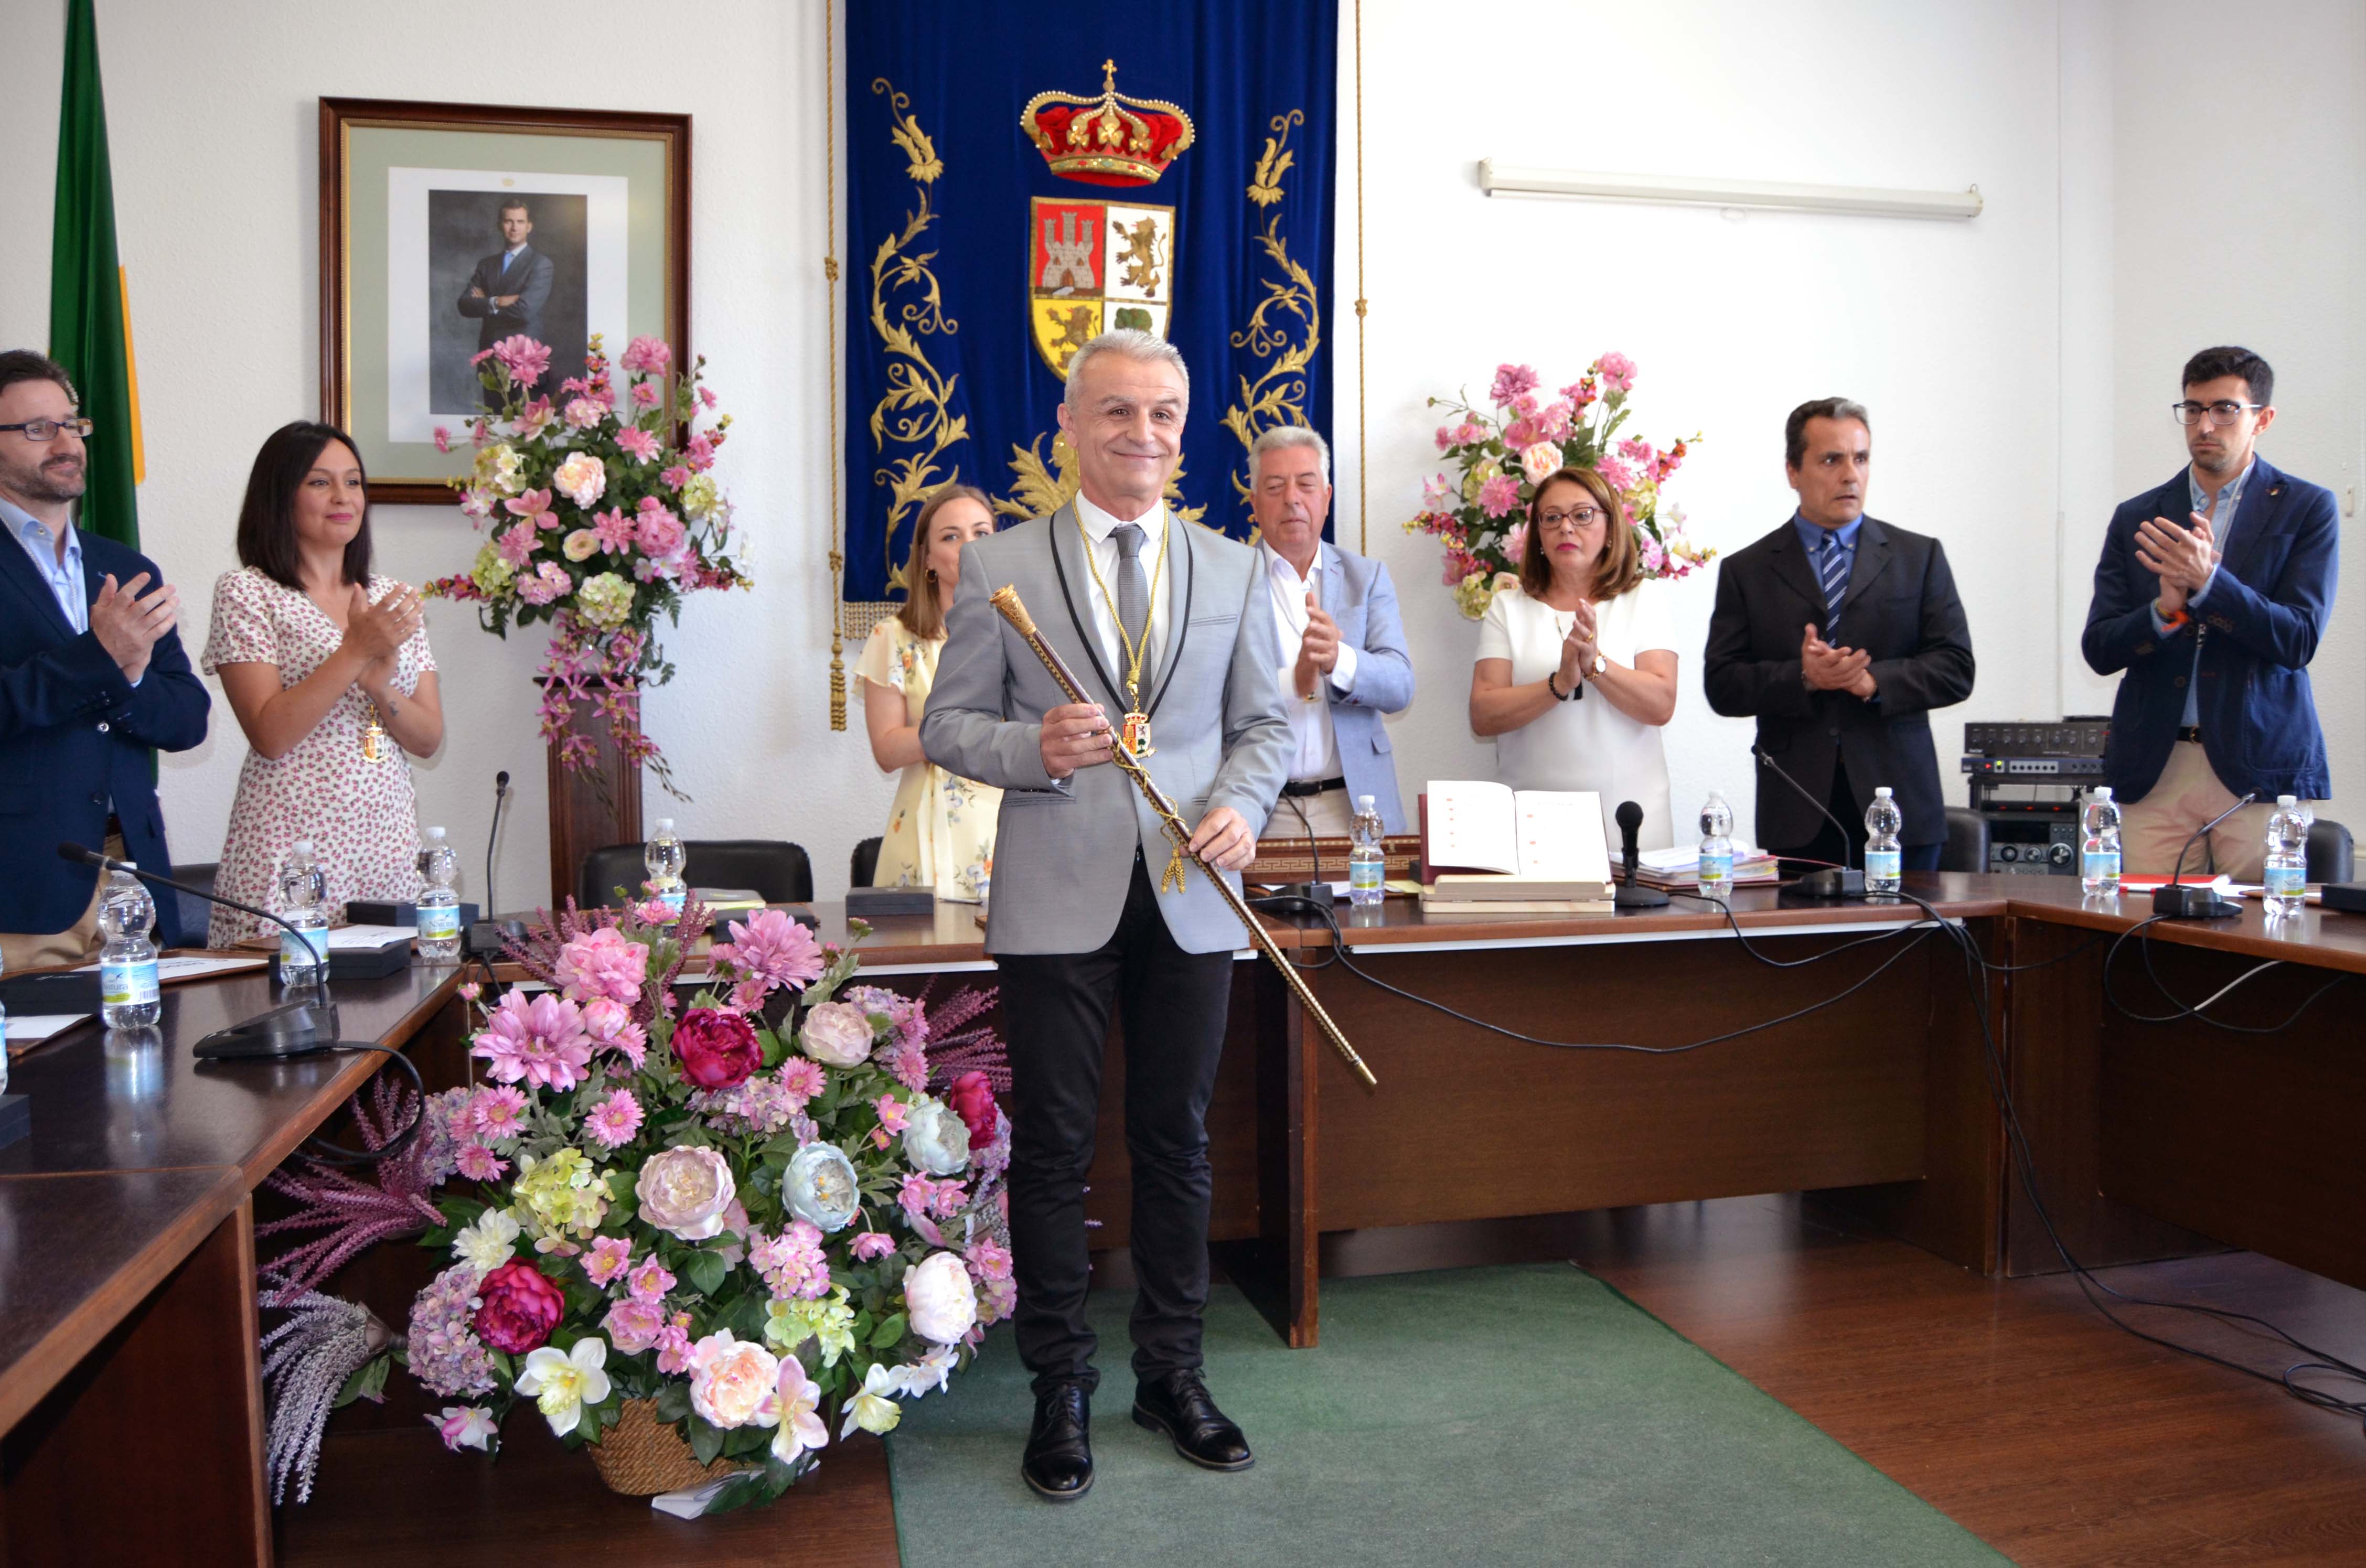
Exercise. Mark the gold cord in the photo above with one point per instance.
(1133, 651)
(1363, 456)
(830, 275)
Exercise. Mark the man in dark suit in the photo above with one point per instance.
(1840, 633)
(92, 676)
(508, 290)
(2214, 621)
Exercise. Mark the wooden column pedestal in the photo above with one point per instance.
(589, 808)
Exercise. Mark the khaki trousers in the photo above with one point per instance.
(1330, 815)
(78, 943)
(2188, 794)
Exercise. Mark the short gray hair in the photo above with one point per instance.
(1134, 343)
(1794, 429)
(1283, 436)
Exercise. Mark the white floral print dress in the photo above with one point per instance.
(940, 831)
(361, 816)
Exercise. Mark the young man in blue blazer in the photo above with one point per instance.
(2211, 595)
(1339, 641)
(92, 676)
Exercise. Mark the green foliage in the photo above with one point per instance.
(367, 1382)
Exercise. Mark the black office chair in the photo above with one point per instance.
(774, 868)
(1967, 842)
(864, 864)
(2332, 855)
(195, 913)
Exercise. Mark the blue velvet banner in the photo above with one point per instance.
(973, 268)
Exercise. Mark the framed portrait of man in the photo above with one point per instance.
(446, 228)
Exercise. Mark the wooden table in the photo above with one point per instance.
(128, 1368)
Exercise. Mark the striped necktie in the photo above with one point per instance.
(1833, 570)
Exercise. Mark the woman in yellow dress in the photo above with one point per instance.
(940, 833)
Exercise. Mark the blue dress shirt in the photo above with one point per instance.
(65, 581)
(1811, 538)
(2221, 528)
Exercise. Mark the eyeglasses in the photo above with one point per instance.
(39, 430)
(1583, 517)
(2224, 412)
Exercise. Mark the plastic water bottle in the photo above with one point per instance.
(2099, 858)
(2287, 863)
(438, 905)
(664, 857)
(303, 903)
(1366, 866)
(1883, 860)
(1716, 847)
(126, 964)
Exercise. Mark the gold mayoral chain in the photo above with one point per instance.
(1136, 736)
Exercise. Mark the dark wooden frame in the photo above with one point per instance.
(340, 115)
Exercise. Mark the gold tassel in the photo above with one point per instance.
(1173, 881)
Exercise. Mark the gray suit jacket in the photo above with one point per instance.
(1063, 848)
(529, 279)
(1356, 594)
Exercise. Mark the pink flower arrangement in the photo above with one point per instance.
(1503, 453)
(541, 1042)
(602, 964)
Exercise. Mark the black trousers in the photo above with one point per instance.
(1055, 1010)
(1825, 849)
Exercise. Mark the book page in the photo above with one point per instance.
(1560, 835)
(1471, 827)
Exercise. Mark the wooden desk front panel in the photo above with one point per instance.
(1467, 1124)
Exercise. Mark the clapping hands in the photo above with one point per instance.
(2182, 558)
(128, 626)
(1829, 668)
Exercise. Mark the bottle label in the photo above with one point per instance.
(127, 982)
(1715, 870)
(2286, 881)
(439, 922)
(1365, 875)
(673, 898)
(1883, 865)
(2101, 865)
(311, 953)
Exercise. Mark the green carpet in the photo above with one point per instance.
(1480, 1415)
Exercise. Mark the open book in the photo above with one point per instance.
(1483, 839)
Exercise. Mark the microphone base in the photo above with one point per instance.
(2176, 902)
(1630, 896)
(1829, 882)
(293, 1028)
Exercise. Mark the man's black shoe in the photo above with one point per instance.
(1059, 1460)
(1178, 1405)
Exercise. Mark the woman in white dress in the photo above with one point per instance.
(1577, 669)
(941, 830)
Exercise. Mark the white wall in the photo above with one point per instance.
(2012, 364)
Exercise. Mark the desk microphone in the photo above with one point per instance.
(293, 1028)
(1630, 896)
(1825, 881)
(2178, 902)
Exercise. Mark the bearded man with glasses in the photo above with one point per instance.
(92, 677)
(2211, 596)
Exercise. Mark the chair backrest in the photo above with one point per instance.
(2332, 856)
(776, 868)
(1967, 842)
(194, 911)
(864, 864)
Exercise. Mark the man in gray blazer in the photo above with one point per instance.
(1339, 639)
(1173, 625)
(508, 290)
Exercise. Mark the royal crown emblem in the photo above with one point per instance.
(1109, 141)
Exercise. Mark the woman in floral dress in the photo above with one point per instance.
(314, 650)
(941, 832)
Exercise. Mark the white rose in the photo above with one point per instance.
(936, 1138)
(941, 1301)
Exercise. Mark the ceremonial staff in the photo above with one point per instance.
(1006, 600)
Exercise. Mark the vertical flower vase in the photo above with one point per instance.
(589, 808)
(641, 1456)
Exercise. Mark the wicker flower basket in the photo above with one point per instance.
(641, 1456)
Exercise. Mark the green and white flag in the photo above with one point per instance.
(90, 316)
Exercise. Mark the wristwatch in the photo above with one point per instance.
(1597, 668)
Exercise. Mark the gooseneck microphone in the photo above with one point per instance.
(2178, 902)
(1825, 882)
(1630, 895)
(501, 794)
(81, 856)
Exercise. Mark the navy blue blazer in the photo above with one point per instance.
(74, 734)
(2266, 609)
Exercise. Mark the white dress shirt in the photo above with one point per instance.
(1310, 717)
(1099, 527)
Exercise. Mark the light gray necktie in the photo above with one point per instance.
(1133, 602)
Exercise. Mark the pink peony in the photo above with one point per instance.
(1511, 380)
(519, 1308)
(1539, 461)
(645, 356)
(1617, 372)
(527, 359)
(633, 1324)
(649, 1281)
(638, 442)
(972, 1099)
(614, 1120)
(1500, 496)
(733, 1383)
(602, 964)
(659, 530)
(684, 1192)
(608, 1256)
(836, 1033)
(542, 1042)
(873, 1244)
(717, 1049)
(772, 950)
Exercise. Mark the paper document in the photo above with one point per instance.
(35, 1027)
(369, 939)
(189, 966)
